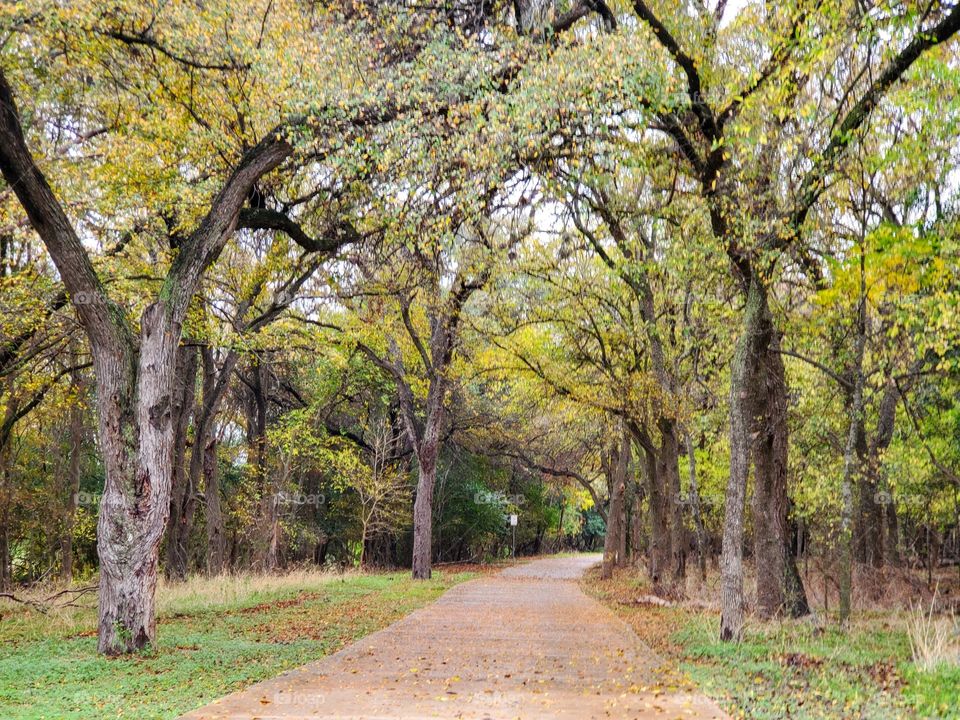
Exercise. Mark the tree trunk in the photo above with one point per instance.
(696, 509)
(134, 379)
(661, 547)
(779, 588)
(136, 437)
(668, 473)
(741, 413)
(73, 489)
(427, 442)
(265, 532)
(214, 515)
(617, 466)
(423, 509)
(851, 456)
(183, 489)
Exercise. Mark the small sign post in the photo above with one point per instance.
(513, 526)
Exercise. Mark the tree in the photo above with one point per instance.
(382, 489)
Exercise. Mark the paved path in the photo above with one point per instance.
(526, 643)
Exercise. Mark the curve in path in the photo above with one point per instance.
(526, 643)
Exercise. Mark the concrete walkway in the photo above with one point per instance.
(526, 643)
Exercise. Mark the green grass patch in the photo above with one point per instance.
(791, 669)
(213, 640)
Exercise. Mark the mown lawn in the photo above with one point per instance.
(215, 637)
(790, 669)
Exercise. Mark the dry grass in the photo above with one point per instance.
(195, 595)
(934, 639)
(199, 593)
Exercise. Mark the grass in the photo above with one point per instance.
(216, 636)
(791, 669)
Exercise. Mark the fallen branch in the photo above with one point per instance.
(71, 595)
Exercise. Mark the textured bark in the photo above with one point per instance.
(137, 442)
(423, 512)
(779, 588)
(741, 413)
(661, 547)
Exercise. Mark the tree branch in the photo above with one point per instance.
(707, 121)
(814, 183)
(338, 235)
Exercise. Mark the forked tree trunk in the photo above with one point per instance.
(134, 379)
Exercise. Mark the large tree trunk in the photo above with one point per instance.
(423, 508)
(668, 472)
(779, 588)
(135, 503)
(661, 546)
(741, 414)
(183, 489)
